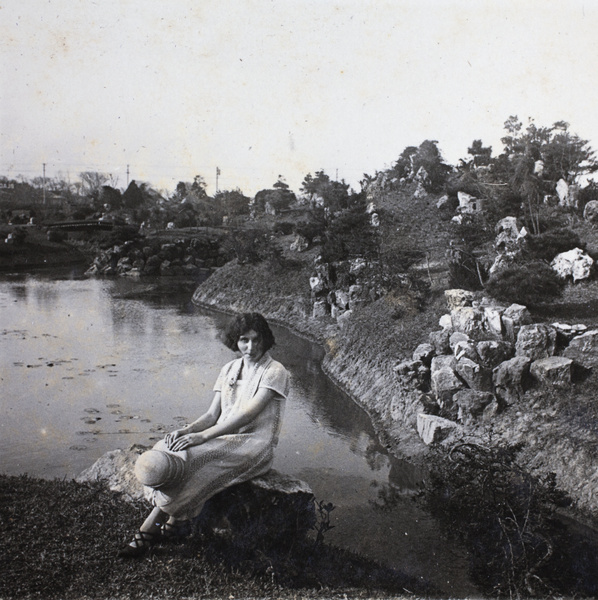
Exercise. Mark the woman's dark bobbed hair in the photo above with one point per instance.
(244, 323)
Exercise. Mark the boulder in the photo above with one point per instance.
(440, 341)
(445, 322)
(443, 361)
(433, 429)
(476, 377)
(424, 353)
(457, 298)
(562, 191)
(513, 318)
(468, 320)
(320, 309)
(116, 468)
(444, 384)
(343, 318)
(465, 349)
(510, 378)
(536, 341)
(493, 352)
(583, 349)
(271, 509)
(493, 320)
(458, 337)
(474, 405)
(552, 371)
(411, 373)
(574, 264)
(590, 212)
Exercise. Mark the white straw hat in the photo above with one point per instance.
(156, 468)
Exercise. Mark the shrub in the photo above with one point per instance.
(503, 515)
(545, 246)
(525, 283)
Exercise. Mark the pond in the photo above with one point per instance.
(90, 365)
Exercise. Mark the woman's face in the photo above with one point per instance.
(250, 345)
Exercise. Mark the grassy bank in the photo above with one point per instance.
(60, 540)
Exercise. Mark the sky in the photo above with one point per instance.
(161, 91)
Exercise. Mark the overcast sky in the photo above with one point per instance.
(261, 88)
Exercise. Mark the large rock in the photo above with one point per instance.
(493, 352)
(469, 320)
(474, 405)
(552, 371)
(273, 509)
(536, 341)
(116, 469)
(510, 378)
(513, 318)
(457, 298)
(440, 341)
(424, 353)
(574, 264)
(583, 349)
(444, 384)
(476, 377)
(590, 212)
(433, 429)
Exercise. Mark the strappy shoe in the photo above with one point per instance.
(140, 545)
(173, 533)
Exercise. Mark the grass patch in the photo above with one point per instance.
(60, 540)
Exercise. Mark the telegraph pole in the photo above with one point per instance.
(217, 174)
(127, 175)
(44, 184)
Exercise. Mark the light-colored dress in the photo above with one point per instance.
(233, 458)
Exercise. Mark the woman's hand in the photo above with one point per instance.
(186, 441)
(171, 437)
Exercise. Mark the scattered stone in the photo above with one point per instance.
(583, 349)
(433, 429)
(446, 322)
(574, 264)
(475, 376)
(536, 341)
(468, 320)
(510, 378)
(474, 405)
(445, 384)
(514, 317)
(457, 298)
(552, 371)
(590, 212)
(440, 341)
(493, 352)
(424, 353)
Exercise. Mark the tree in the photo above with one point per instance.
(133, 197)
(334, 194)
(92, 181)
(426, 158)
(481, 154)
(232, 202)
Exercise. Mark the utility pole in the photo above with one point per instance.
(44, 184)
(127, 175)
(217, 174)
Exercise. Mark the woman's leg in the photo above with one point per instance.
(148, 533)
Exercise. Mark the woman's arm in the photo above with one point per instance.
(208, 419)
(237, 419)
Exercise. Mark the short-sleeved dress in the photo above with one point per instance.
(233, 458)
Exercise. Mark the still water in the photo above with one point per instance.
(89, 365)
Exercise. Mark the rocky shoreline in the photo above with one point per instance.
(369, 376)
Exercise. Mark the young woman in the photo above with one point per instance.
(231, 443)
